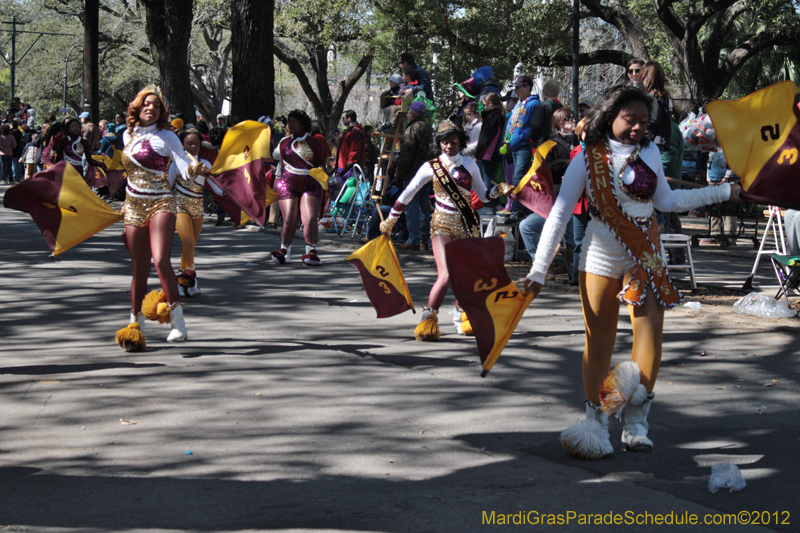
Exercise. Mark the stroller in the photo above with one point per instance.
(350, 211)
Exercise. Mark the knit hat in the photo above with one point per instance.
(396, 78)
(551, 89)
(418, 108)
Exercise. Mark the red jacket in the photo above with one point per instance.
(353, 147)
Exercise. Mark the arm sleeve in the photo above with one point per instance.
(571, 189)
(172, 175)
(668, 201)
(423, 176)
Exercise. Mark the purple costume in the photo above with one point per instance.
(298, 157)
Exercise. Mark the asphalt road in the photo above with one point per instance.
(303, 412)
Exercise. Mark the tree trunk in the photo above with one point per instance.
(253, 66)
(168, 27)
(91, 33)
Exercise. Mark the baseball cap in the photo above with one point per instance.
(418, 108)
(85, 114)
(522, 80)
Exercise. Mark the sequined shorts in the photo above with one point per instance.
(298, 186)
(191, 206)
(138, 211)
(448, 223)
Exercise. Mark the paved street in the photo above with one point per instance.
(303, 412)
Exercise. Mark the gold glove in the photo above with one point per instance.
(504, 188)
(388, 225)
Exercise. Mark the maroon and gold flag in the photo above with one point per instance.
(760, 135)
(535, 189)
(483, 288)
(115, 173)
(62, 205)
(382, 277)
(241, 168)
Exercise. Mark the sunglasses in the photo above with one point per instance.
(634, 70)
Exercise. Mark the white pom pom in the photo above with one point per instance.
(583, 440)
(639, 395)
(618, 387)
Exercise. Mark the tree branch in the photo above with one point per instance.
(666, 13)
(286, 56)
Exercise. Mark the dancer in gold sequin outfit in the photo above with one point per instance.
(189, 220)
(447, 223)
(150, 207)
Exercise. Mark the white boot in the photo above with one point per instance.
(589, 438)
(457, 319)
(634, 434)
(139, 319)
(194, 290)
(178, 325)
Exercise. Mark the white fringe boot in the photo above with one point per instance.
(589, 438)
(634, 433)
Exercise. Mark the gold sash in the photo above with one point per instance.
(641, 243)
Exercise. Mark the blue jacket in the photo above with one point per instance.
(518, 127)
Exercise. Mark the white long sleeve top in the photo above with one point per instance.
(425, 175)
(165, 143)
(602, 253)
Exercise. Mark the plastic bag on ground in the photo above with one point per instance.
(725, 476)
(763, 306)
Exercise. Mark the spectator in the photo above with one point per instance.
(371, 155)
(472, 127)
(407, 60)
(18, 169)
(90, 132)
(563, 125)
(653, 82)
(416, 149)
(31, 117)
(30, 154)
(487, 151)
(352, 149)
(108, 141)
(541, 121)
(719, 173)
(634, 68)
(518, 136)
(388, 97)
(792, 222)
(7, 145)
(583, 108)
(333, 151)
(672, 160)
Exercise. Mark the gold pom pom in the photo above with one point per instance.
(428, 329)
(185, 282)
(153, 307)
(131, 338)
(466, 327)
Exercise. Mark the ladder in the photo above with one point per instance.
(390, 148)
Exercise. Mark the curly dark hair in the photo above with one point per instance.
(302, 117)
(600, 117)
(444, 132)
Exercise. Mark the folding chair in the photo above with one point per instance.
(787, 270)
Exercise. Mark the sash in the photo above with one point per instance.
(461, 202)
(641, 243)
